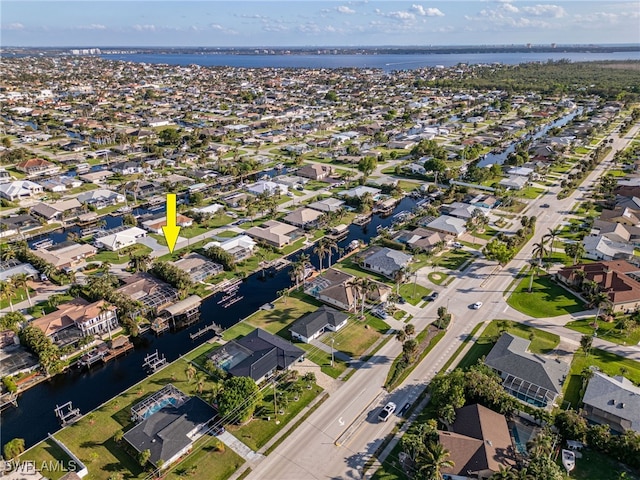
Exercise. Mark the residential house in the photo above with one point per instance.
(5, 177)
(314, 324)
(264, 187)
(100, 198)
(240, 247)
(198, 268)
(169, 433)
(385, 261)
(514, 182)
(463, 210)
(141, 189)
(624, 215)
(448, 225)
(532, 378)
(617, 278)
(360, 191)
(35, 167)
(303, 217)
(120, 239)
(154, 294)
(613, 401)
(257, 355)
(236, 199)
(54, 212)
(274, 233)
(95, 318)
(9, 268)
(479, 444)
(327, 205)
(129, 168)
(19, 190)
(315, 171)
(335, 288)
(209, 209)
(155, 224)
(601, 247)
(422, 239)
(66, 254)
(17, 224)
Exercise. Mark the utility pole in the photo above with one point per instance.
(332, 340)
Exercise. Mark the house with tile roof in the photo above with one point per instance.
(274, 233)
(613, 401)
(303, 217)
(89, 318)
(619, 279)
(448, 225)
(35, 167)
(530, 377)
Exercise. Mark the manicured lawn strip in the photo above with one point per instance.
(259, 430)
(323, 359)
(530, 192)
(454, 259)
(594, 465)
(208, 463)
(606, 331)
(113, 257)
(349, 266)
(50, 453)
(20, 295)
(608, 363)
(437, 278)
(238, 330)
(543, 342)
(357, 336)
(201, 354)
(413, 293)
(516, 279)
(227, 234)
(547, 299)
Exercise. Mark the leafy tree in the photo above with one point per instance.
(331, 96)
(221, 256)
(499, 251)
(585, 342)
(435, 165)
(13, 448)
(367, 165)
(169, 136)
(11, 321)
(129, 219)
(238, 399)
(143, 457)
(571, 425)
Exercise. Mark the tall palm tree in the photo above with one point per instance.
(364, 286)
(431, 462)
(7, 290)
(538, 252)
(320, 250)
(21, 280)
(551, 237)
(331, 246)
(105, 307)
(8, 253)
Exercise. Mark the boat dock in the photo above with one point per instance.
(93, 356)
(362, 219)
(119, 346)
(204, 330)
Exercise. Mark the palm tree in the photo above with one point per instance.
(8, 253)
(603, 302)
(553, 234)
(431, 462)
(364, 286)
(320, 250)
(331, 245)
(296, 272)
(401, 335)
(284, 293)
(540, 445)
(105, 266)
(20, 280)
(105, 307)
(7, 290)
(538, 252)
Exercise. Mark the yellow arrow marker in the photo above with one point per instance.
(171, 231)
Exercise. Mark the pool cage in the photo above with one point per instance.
(528, 392)
(167, 396)
(158, 298)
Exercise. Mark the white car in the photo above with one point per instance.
(476, 306)
(386, 412)
(457, 245)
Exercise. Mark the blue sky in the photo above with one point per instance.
(316, 23)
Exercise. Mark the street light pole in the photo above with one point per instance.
(332, 340)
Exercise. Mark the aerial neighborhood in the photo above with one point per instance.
(357, 250)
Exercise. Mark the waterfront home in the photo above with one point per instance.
(314, 324)
(209, 209)
(327, 205)
(532, 378)
(154, 294)
(479, 444)
(129, 168)
(422, 239)
(257, 355)
(55, 212)
(100, 198)
(17, 224)
(169, 432)
(462, 210)
(139, 189)
(448, 225)
(335, 288)
(120, 239)
(303, 217)
(514, 182)
(613, 401)
(360, 191)
(19, 190)
(315, 171)
(241, 246)
(385, 261)
(267, 188)
(156, 223)
(95, 318)
(617, 278)
(274, 233)
(198, 268)
(9, 268)
(35, 167)
(66, 254)
(235, 199)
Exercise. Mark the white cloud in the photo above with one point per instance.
(346, 10)
(553, 11)
(93, 26)
(15, 26)
(401, 15)
(144, 28)
(427, 12)
(507, 7)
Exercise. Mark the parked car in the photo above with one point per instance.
(386, 412)
(544, 205)
(477, 305)
(457, 245)
(432, 296)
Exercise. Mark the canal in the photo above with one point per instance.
(34, 417)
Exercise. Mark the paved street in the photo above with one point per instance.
(336, 441)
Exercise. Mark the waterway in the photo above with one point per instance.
(34, 416)
(499, 158)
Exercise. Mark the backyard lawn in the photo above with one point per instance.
(413, 293)
(543, 342)
(546, 299)
(287, 310)
(115, 257)
(454, 259)
(608, 363)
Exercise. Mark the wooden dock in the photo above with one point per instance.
(362, 220)
(204, 330)
(118, 347)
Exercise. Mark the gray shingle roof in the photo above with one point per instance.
(386, 259)
(616, 396)
(510, 355)
(310, 324)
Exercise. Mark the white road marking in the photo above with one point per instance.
(341, 422)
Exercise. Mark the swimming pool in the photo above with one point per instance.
(165, 402)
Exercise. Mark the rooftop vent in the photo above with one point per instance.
(612, 402)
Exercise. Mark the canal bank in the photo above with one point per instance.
(34, 417)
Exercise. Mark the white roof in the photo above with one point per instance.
(213, 208)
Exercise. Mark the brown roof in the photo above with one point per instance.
(611, 276)
(34, 162)
(67, 314)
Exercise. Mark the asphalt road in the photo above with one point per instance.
(336, 441)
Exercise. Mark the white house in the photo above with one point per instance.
(19, 189)
(122, 239)
(240, 247)
(267, 187)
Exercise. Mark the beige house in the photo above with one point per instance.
(274, 233)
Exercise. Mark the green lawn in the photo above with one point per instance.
(227, 234)
(546, 299)
(208, 463)
(454, 259)
(44, 308)
(323, 359)
(437, 277)
(287, 310)
(616, 173)
(357, 336)
(606, 331)
(596, 465)
(238, 330)
(48, 451)
(543, 342)
(608, 363)
(413, 293)
(530, 192)
(349, 266)
(20, 295)
(263, 426)
(114, 257)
